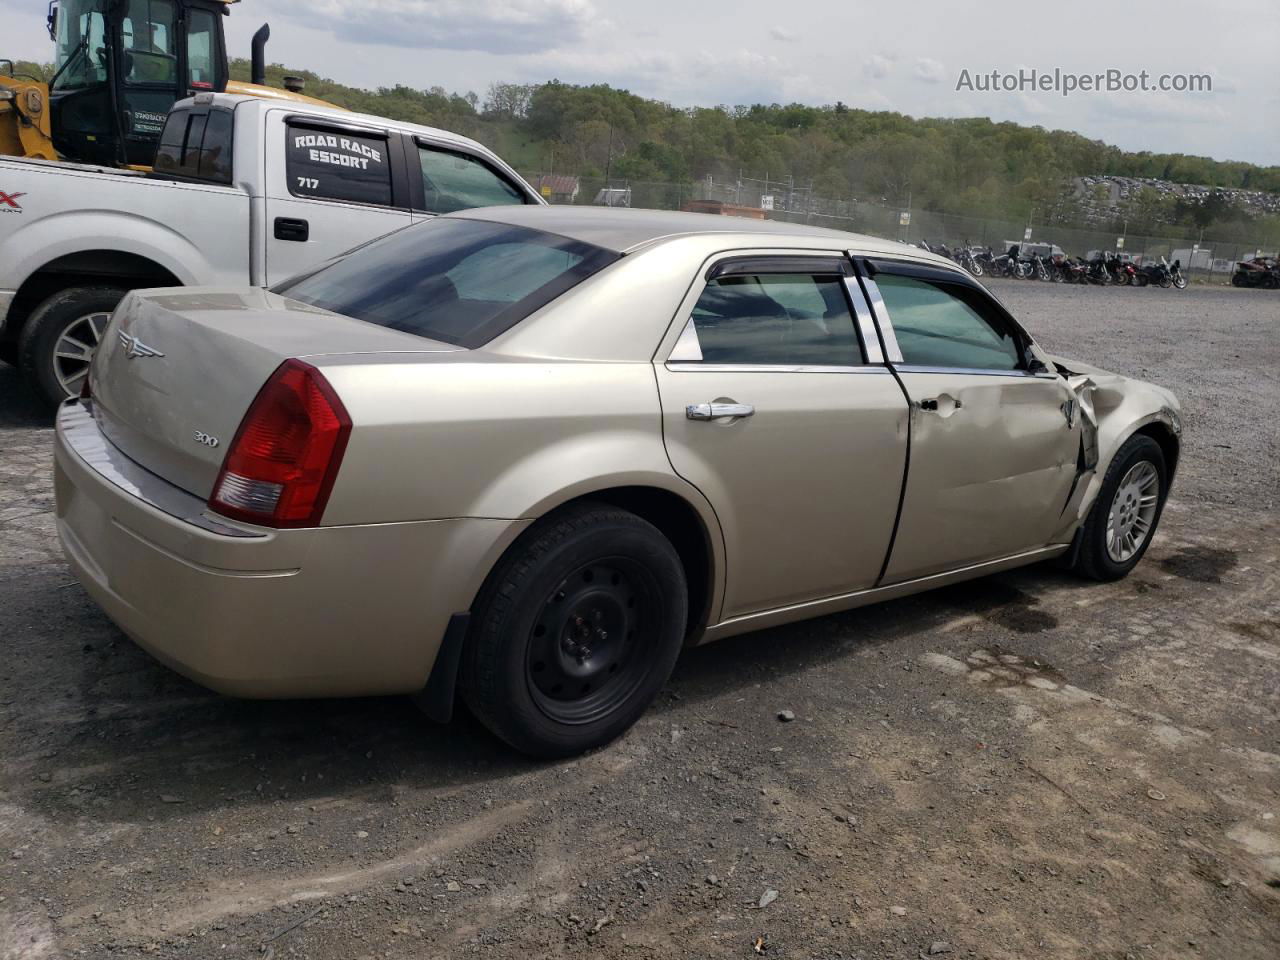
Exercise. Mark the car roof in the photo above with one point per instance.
(624, 229)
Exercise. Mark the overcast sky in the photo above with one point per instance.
(878, 56)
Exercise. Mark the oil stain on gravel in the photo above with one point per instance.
(1201, 564)
(1003, 605)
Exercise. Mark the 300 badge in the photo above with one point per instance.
(206, 439)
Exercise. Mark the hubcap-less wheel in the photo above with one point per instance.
(584, 655)
(75, 348)
(1133, 511)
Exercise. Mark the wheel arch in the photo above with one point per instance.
(116, 268)
(691, 528)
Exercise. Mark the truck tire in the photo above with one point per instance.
(61, 335)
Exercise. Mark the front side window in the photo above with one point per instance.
(795, 319)
(81, 46)
(947, 325)
(459, 281)
(332, 164)
(457, 181)
(150, 43)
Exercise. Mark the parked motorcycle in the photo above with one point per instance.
(1258, 272)
(1121, 272)
(967, 259)
(1175, 272)
(1155, 274)
(1098, 272)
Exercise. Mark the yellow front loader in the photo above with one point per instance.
(119, 66)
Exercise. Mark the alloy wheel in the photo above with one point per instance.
(75, 348)
(1133, 511)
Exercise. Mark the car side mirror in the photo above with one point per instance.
(1036, 365)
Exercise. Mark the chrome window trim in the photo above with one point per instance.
(865, 322)
(686, 354)
(972, 371)
(689, 367)
(892, 351)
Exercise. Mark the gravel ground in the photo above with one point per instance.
(1024, 766)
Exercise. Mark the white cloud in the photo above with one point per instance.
(493, 26)
(878, 66)
(784, 36)
(929, 70)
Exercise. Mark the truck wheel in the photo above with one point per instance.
(575, 631)
(61, 335)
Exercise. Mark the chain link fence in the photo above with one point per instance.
(1202, 259)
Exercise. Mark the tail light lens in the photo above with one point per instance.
(282, 463)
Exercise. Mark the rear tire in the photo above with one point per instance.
(60, 338)
(575, 631)
(1122, 496)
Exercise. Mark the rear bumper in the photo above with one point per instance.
(327, 611)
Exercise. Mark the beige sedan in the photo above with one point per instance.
(528, 454)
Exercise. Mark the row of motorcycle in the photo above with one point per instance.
(1104, 270)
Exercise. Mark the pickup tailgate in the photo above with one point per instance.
(178, 369)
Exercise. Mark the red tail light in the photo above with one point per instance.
(282, 463)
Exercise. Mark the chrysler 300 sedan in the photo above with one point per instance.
(525, 455)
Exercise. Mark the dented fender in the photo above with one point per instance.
(1112, 408)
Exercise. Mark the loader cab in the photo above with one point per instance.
(121, 64)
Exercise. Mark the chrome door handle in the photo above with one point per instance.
(933, 403)
(717, 411)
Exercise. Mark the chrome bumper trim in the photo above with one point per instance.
(82, 437)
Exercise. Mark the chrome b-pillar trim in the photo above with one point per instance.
(892, 351)
(866, 324)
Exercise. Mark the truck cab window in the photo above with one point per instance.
(81, 46)
(327, 163)
(457, 181)
(201, 50)
(150, 43)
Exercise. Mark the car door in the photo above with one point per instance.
(995, 441)
(778, 406)
(330, 186)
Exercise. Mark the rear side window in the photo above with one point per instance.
(794, 319)
(457, 181)
(196, 144)
(947, 325)
(459, 281)
(331, 164)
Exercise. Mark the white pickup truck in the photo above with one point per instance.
(244, 191)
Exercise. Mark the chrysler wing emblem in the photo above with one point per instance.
(133, 347)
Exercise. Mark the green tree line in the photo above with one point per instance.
(972, 166)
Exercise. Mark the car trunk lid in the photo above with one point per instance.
(178, 369)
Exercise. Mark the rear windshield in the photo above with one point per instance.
(459, 281)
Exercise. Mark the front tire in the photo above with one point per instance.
(575, 631)
(61, 336)
(1123, 519)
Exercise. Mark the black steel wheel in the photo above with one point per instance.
(575, 631)
(584, 655)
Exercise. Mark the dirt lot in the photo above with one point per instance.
(1024, 766)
